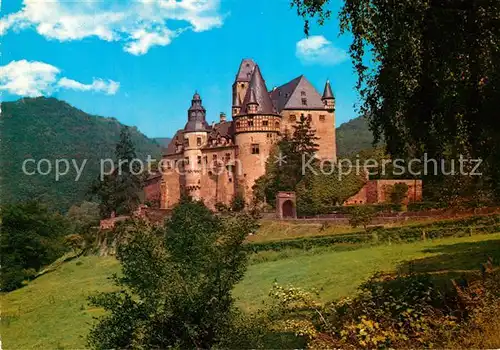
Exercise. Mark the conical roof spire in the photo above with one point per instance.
(327, 93)
(253, 99)
(257, 93)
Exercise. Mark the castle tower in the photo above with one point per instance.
(195, 137)
(241, 82)
(328, 98)
(256, 129)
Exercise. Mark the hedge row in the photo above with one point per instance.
(448, 228)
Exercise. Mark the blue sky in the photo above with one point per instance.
(141, 61)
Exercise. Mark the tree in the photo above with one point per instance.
(177, 281)
(120, 192)
(284, 165)
(433, 81)
(31, 237)
(361, 216)
(320, 193)
(399, 193)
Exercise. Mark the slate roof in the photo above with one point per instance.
(224, 129)
(247, 66)
(327, 93)
(196, 115)
(258, 89)
(171, 148)
(290, 95)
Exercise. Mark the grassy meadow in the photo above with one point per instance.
(52, 311)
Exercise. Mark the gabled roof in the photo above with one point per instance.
(172, 148)
(224, 129)
(247, 66)
(290, 95)
(258, 89)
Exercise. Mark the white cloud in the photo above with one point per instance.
(98, 85)
(32, 78)
(28, 78)
(138, 25)
(318, 50)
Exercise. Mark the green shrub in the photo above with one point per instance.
(361, 216)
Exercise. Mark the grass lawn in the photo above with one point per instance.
(51, 312)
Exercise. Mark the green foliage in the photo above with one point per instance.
(361, 216)
(353, 136)
(120, 191)
(398, 193)
(284, 175)
(177, 282)
(31, 237)
(48, 128)
(322, 193)
(238, 202)
(380, 235)
(84, 216)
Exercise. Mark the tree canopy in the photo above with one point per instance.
(428, 74)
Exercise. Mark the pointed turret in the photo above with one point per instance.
(252, 104)
(236, 104)
(257, 93)
(328, 98)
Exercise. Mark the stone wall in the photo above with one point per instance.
(378, 191)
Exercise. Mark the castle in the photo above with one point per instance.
(214, 162)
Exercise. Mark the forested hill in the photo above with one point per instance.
(353, 136)
(46, 128)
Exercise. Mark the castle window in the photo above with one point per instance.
(304, 101)
(186, 142)
(302, 93)
(277, 125)
(198, 141)
(205, 159)
(293, 118)
(255, 148)
(242, 86)
(186, 161)
(269, 136)
(199, 159)
(169, 166)
(250, 123)
(322, 118)
(214, 157)
(309, 117)
(265, 123)
(228, 157)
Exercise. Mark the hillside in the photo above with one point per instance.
(163, 141)
(353, 137)
(46, 128)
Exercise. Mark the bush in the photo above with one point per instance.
(361, 216)
(177, 281)
(31, 237)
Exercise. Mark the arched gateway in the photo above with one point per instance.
(286, 207)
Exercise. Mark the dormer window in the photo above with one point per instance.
(302, 93)
(304, 101)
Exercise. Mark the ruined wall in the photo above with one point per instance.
(152, 190)
(378, 191)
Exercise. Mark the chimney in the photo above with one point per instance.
(222, 117)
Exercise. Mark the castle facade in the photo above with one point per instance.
(215, 162)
